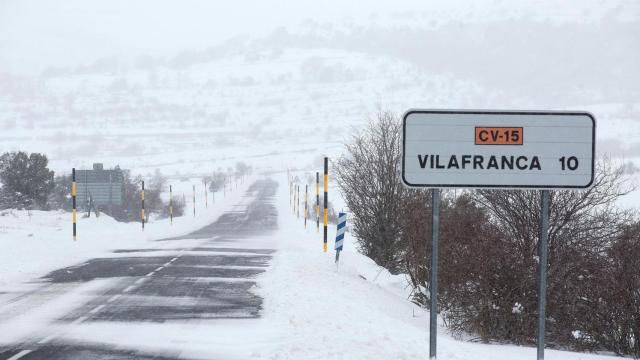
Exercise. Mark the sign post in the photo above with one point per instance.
(433, 285)
(542, 269)
(542, 150)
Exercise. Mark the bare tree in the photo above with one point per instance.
(583, 225)
(369, 179)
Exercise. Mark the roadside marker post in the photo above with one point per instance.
(142, 206)
(326, 203)
(206, 195)
(73, 201)
(317, 202)
(171, 205)
(342, 228)
(306, 207)
(194, 201)
(298, 200)
(541, 150)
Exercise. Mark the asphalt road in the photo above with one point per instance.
(204, 276)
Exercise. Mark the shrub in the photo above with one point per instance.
(26, 180)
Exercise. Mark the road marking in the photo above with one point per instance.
(151, 273)
(79, 320)
(20, 354)
(97, 308)
(47, 339)
(129, 288)
(160, 268)
(114, 298)
(139, 281)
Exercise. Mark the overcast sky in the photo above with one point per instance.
(37, 34)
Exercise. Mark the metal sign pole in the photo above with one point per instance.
(542, 277)
(433, 286)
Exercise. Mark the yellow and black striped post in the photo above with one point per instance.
(306, 206)
(142, 208)
(206, 196)
(317, 202)
(194, 201)
(326, 203)
(73, 201)
(171, 204)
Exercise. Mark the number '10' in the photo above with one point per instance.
(570, 162)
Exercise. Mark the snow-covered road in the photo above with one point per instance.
(204, 276)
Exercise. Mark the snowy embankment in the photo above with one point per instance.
(36, 242)
(354, 310)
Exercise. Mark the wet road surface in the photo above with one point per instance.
(207, 275)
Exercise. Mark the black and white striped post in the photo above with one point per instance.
(342, 228)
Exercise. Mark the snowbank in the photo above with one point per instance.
(354, 310)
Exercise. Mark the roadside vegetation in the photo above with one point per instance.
(488, 249)
(27, 183)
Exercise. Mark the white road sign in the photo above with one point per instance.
(498, 149)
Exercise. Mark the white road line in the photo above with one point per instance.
(151, 273)
(79, 320)
(160, 268)
(97, 308)
(139, 281)
(114, 298)
(47, 339)
(129, 288)
(20, 354)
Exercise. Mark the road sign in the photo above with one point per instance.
(498, 149)
(103, 187)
